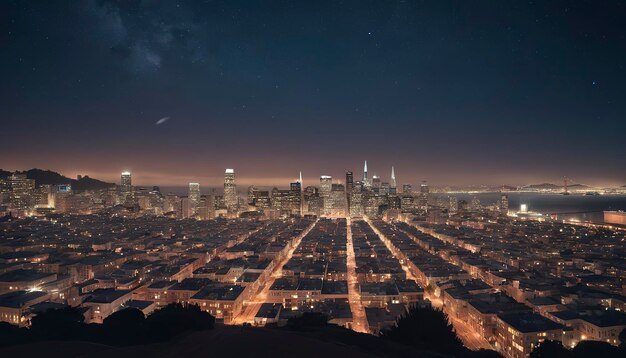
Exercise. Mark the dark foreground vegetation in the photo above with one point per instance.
(429, 329)
(125, 327)
(421, 332)
(595, 349)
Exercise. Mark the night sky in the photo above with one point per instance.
(450, 92)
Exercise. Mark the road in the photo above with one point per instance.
(401, 257)
(470, 338)
(359, 318)
(255, 302)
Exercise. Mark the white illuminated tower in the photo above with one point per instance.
(230, 191)
(301, 194)
(392, 184)
(126, 187)
(194, 197)
(366, 180)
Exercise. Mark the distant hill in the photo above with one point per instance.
(87, 183)
(550, 186)
(46, 177)
(578, 186)
(43, 177)
(544, 186)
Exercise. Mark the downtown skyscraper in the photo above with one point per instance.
(126, 183)
(126, 188)
(349, 187)
(194, 198)
(230, 191)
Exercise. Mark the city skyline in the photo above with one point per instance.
(180, 181)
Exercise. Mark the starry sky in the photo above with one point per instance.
(453, 92)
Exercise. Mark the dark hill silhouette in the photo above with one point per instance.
(233, 341)
(87, 183)
(550, 186)
(43, 177)
(545, 186)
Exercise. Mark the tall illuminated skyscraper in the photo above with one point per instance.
(194, 197)
(126, 187)
(349, 186)
(392, 182)
(230, 191)
(295, 197)
(423, 196)
(376, 183)
(326, 187)
(301, 194)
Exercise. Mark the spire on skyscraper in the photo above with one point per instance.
(365, 171)
(393, 174)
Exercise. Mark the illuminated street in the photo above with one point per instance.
(359, 320)
(401, 257)
(253, 305)
(470, 339)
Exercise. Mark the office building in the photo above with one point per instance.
(22, 190)
(194, 197)
(326, 187)
(126, 185)
(230, 191)
(349, 187)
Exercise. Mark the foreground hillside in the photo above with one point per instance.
(232, 341)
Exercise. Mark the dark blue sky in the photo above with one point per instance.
(454, 92)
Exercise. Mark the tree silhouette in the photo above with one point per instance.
(308, 320)
(58, 324)
(427, 329)
(174, 319)
(124, 327)
(551, 349)
(11, 334)
(596, 349)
